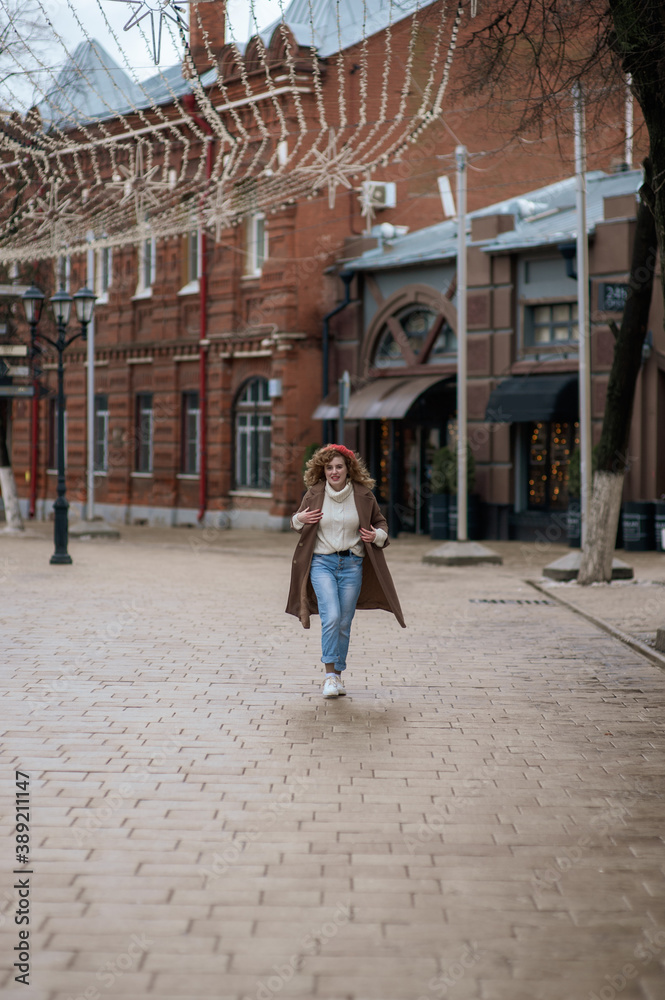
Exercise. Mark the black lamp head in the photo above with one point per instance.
(33, 300)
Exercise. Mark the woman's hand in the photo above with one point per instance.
(368, 535)
(308, 516)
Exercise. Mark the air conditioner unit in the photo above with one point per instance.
(379, 194)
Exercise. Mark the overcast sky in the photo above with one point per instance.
(91, 14)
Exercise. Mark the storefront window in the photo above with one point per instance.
(550, 448)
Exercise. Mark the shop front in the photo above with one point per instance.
(543, 410)
(403, 398)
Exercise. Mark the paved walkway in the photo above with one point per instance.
(481, 818)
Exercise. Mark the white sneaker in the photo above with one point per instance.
(340, 685)
(330, 689)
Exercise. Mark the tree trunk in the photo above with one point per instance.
(601, 531)
(7, 481)
(612, 458)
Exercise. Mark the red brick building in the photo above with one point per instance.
(208, 348)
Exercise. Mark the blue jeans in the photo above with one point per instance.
(336, 581)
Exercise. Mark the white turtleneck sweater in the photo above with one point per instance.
(339, 528)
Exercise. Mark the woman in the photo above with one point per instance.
(339, 563)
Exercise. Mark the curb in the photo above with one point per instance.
(628, 640)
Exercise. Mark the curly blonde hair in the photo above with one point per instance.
(315, 470)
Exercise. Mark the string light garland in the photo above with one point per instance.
(283, 123)
(140, 182)
(52, 216)
(331, 168)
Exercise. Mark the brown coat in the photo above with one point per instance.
(378, 589)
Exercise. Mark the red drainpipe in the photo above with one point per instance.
(189, 103)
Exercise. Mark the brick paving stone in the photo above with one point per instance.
(493, 779)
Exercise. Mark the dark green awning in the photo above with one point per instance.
(527, 398)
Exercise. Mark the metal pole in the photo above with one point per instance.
(34, 421)
(344, 384)
(583, 312)
(460, 157)
(61, 505)
(90, 499)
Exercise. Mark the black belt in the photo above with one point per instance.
(344, 552)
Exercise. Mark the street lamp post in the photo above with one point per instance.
(61, 304)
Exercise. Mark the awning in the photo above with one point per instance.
(329, 408)
(382, 399)
(528, 398)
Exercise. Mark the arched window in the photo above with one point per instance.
(252, 423)
(413, 327)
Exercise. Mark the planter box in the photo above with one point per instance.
(639, 529)
(574, 523)
(660, 525)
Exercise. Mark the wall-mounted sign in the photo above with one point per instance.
(612, 296)
(13, 350)
(16, 390)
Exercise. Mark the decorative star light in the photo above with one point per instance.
(332, 168)
(140, 184)
(171, 9)
(220, 215)
(51, 215)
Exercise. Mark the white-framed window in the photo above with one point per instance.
(103, 273)
(191, 434)
(144, 432)
(147, 261)
(191, 270)
(256, 245)
(253, 436)
(193, 255)
(101, 433)
(63, 271)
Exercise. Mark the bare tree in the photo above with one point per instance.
(24, 35)
(527, 56)
(612, 460)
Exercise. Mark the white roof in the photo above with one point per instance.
(91, 84)
(543, 217)
(315, 21)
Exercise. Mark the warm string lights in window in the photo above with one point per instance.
(281, 131)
